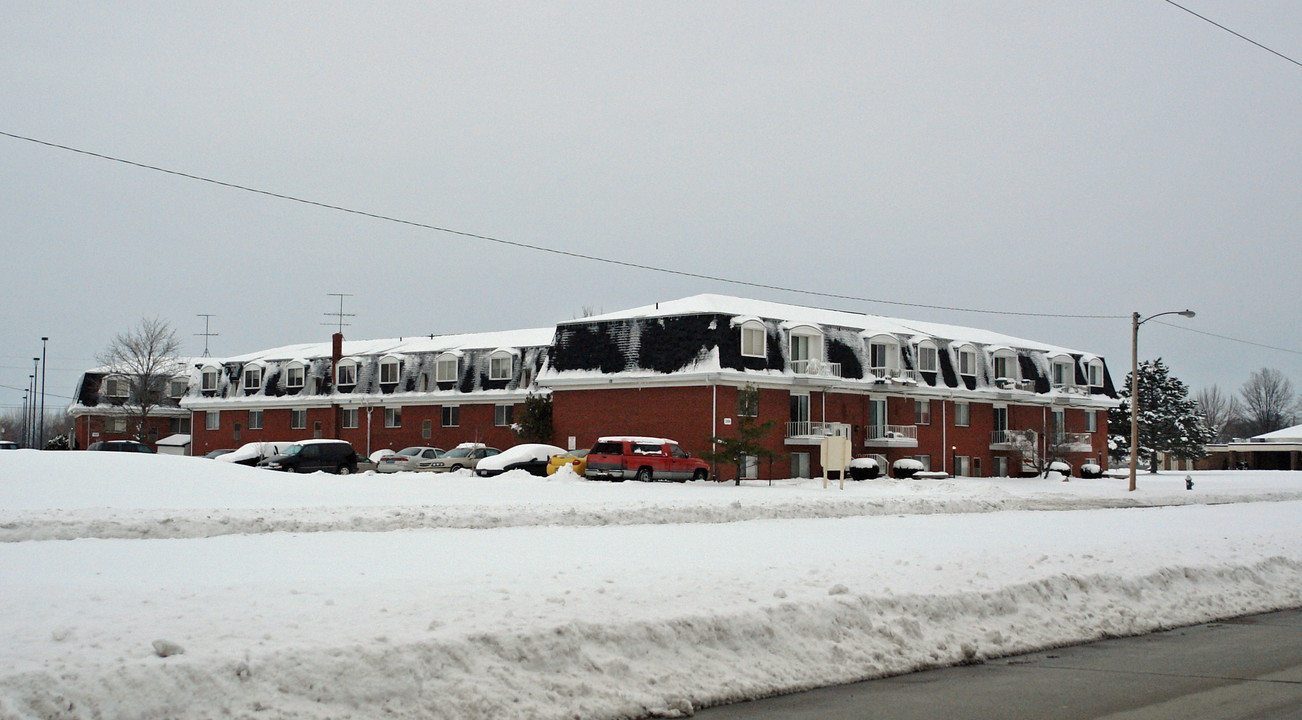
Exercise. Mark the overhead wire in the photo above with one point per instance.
(551, 250)
(1227, 337)
(1235, 34)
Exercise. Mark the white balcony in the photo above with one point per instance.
(807, 433)
(1023, 440)
(820, 368)
(891, 436)
(890, 374)
(1071, 442)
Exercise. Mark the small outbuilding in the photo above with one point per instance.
(178, 444)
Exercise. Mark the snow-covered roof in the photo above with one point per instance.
(533, 337)
(794, 315)
(1291, 434)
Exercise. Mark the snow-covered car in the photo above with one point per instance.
(336, 456)
(8, 445)
(409, 459)
(531, 457)
(576, 459)
(463, 456)
(253, 453)
(213, 454)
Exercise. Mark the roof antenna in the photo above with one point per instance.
(205, 334)
(341, 314)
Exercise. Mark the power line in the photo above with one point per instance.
(1227, 337)
(553, 251)
(1237, 35)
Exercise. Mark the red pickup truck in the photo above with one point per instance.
(644, 459)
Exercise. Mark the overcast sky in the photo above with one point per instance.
(1061, 157)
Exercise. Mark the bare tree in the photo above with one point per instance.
(146, 357)
(1220, 411)
(1269, 403)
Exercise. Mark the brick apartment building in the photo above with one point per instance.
(954, 398)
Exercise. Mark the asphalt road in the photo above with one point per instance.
(1240, 669)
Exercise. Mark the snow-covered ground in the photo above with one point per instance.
(520, 597)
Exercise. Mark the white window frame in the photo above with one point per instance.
(290, 375)
(393, 417)
(500, 413)
(927, 350)
(212, 374)
(890, 354)
(245, 375)
(116, 386)
(116, 425)
(350, 418)
(182, 382)
(255, 419)
(298, 418)
(754, 339)
(1091, 421)
(443, 364)
(391, 367)
(962, 414)
(1004, 356)
(921, 411)
(962, 466)
(811, 338)
(450, 416)
(1095, 374)
(495, 361)
(346, 368)
(967, 355)
(212, 420)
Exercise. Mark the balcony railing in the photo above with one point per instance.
(889, 373)
(805, 428)
(1071, 441)
(1013, 438)
(821, 368)
(905, 435)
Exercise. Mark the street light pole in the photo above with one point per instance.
(1135, 322)
(42, 433)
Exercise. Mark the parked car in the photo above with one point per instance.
(463, 456)
(578, 459)
(530, 457)
(253, 453)
(644, 459)
(8, 445)
(332, 456)
(120, 446)
(218, 453)
(412, 458)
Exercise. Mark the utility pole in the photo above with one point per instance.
(42, 433)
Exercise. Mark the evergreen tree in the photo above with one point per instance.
(1169, 421)
(749, 442)
(534, 423)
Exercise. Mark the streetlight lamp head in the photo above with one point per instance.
(1187, 313)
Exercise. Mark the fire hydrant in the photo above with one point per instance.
(1188, 482)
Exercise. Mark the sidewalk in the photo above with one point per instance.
(1248, 667)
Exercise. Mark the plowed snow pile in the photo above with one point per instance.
(146, 586)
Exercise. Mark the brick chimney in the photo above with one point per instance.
(336, 354)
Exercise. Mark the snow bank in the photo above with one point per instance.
(574, 599)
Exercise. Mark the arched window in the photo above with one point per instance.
(1095, 373)
(927, 357)
(252, 377)
(295, 373)
(448, 368)
(883, 356)
(346, 373)
(967, 361)
(806, 349)
(177, 386)
(754, 339)
(208, 379)
(390, 370)
(117, 387)
(501, 365)
(1006, 370)
(1060, 371)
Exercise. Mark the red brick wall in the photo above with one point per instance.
(88, 429)
(678, 413)
(476, 424)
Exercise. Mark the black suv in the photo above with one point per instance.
(332, 456)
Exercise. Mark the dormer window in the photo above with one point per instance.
(1061, 373)
(446, 370)
(177, 387)
(252, 378)
(294, 376)
(390, 369)
(1005, 366)
(346, 373)
(806, 350)
(883, 356)
(116, 387)
(754, 339)
(208, 381)
(927, 357)
(500, 366)
(967, 360)
(1096, 374)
